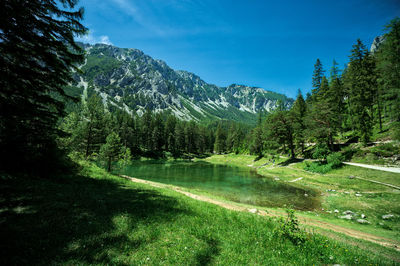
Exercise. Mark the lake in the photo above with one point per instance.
(232, 183)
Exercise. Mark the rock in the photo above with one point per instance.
(347, 217)
(351, 177)
(253, 210)
(277, 179)
(336, 211)
(346, 192)
(381, 224)
(387, 216)
(363, 216)
(305, 195)
(362, 221)
(358, 195)
(348, 212)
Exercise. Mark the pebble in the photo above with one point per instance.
(347, 217)
(387, 216)
(253, 210)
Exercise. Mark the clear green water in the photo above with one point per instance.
(232, 183)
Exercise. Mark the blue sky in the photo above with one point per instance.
(267, 44)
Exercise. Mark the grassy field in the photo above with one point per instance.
(96, 218)
(338, 192)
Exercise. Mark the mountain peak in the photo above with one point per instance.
(128, 79)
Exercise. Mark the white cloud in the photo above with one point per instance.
(92, 39)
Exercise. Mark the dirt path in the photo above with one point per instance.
(375, 167)
(306, 221)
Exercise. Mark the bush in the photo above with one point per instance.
(318, 167)
(289, 228)
(335, 159)
(385, 150)
(321, 151)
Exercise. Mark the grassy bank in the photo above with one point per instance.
(338, 192)
(97, 218)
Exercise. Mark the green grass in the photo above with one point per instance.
(376, 200)
(97, 218)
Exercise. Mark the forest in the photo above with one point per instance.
(345, 106)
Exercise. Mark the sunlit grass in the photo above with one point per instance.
(97, 218)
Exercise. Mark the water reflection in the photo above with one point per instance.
(233, 183)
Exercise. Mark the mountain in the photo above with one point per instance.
(130, 80)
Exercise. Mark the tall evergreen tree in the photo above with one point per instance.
(299, 112)
(388, 65)
(360, 90)
(317, 78)
(37, 54)
(220, 138)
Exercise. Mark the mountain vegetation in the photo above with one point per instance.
(67, 110)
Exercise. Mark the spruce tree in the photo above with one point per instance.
(299, 110)
(359, 83)
(317, 78)
(220, 138)
(388, 65)
(37, 54)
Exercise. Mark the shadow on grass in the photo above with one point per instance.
(78, 220)
(289, 161)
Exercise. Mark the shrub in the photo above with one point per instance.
(385, 150)
(321, 151)
(289, 228)
(318, 167)
(335, 159)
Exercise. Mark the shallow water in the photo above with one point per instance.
(232, 183)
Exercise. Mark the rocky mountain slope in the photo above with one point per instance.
(131, 80)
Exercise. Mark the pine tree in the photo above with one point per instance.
(280, 129)
(93, 126)
(388, 65)
(299, 110)
(317, 78)
(360, 90)
(111, 150)
(220, 138)
(37, 54)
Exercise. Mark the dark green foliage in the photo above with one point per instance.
(388, 65)
(299, 110)
(360, 81)
(37, 54)
(111, 151)
(317, 78)
(220, 138)
(321, 152)
(318, 167)
(279, 127)
(335, 159)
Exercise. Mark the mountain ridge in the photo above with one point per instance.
(131, 80)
